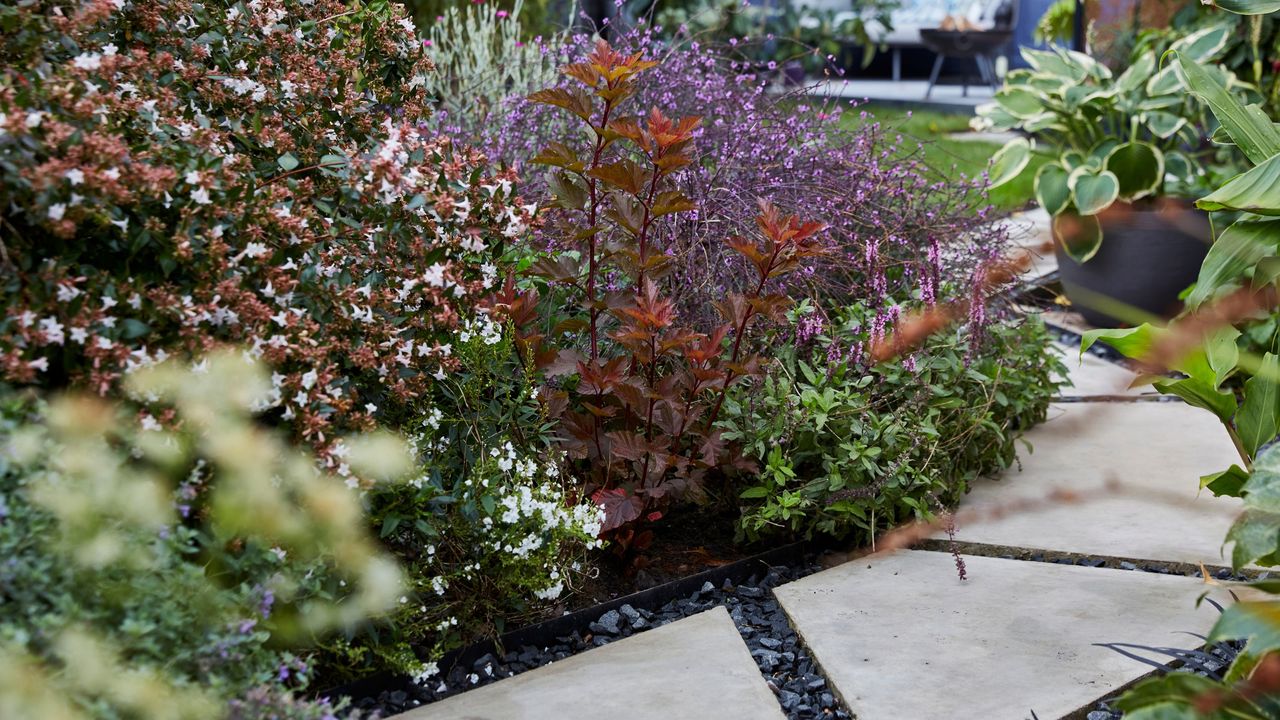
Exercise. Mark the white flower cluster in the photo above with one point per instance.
(483, 327)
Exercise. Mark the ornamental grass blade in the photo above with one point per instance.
(1248, 125)
(1247, 7)
(1240, 247)
(1256, 191)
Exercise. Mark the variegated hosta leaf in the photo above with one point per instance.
(1091, 191)
(1139, 167)
(1009, 161)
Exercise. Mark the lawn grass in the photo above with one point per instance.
(927, 132)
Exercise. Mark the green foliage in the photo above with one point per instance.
(849, 448)
(1056, 26)
(1114, 136)
(145, 572)
(490, 531)
(482, 58)
(793, 31)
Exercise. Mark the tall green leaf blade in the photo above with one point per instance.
(1248, 7)
(1256, 191)
(1240, 247)
(1252, 131)
(1134, 342)
(1259, 416)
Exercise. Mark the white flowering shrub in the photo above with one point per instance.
(491, 531)
(178, 175)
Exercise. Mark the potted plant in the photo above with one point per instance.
(1127, 152)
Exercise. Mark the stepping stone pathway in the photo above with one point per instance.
(901, 636)
(1031, 235)
(1152, 453)
(1089, 376)
(1111, 476)
(697, 667)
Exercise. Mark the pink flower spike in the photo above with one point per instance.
(426, 43)
(502, 14)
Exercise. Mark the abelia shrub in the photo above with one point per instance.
(180, 175)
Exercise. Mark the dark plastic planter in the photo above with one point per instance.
(1149, 255)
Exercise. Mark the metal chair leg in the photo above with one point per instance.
(933, 76)
(897, 64)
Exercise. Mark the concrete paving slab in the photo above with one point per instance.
(1152, 453)
(902, 637)
(1091, 376)
(1031, 237)
(1068, 320)
(697, 667)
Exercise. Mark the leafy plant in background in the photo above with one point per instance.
(1252, 50)
(1127, 138)
(481, 58)
(1236, 286)
(849, 445)
(637, 413)
(775, 32)
(1057, 24)
(182, 537)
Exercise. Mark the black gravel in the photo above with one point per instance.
(788, 668)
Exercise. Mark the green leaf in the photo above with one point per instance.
(287, 162)
(1053, 64)
(1237, 249)
(1259, 418)
(1134, 342)
(1249, 126)
(1139, 167)
(1256, 535)
(1256, 622)
(1249, 7)
(1092, 192)
(1226, 483)
(1256, 191)
(1009, 161)
(1051, 188)
(755, 492)
(1222, 353)
(1080, 235)
(1201, 393)
(1169, 690)
(1262, 492)
(1135, 76)
(1163, 124)
(1204, 44)
(1020, 102)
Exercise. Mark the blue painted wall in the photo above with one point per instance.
(1029, 12)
